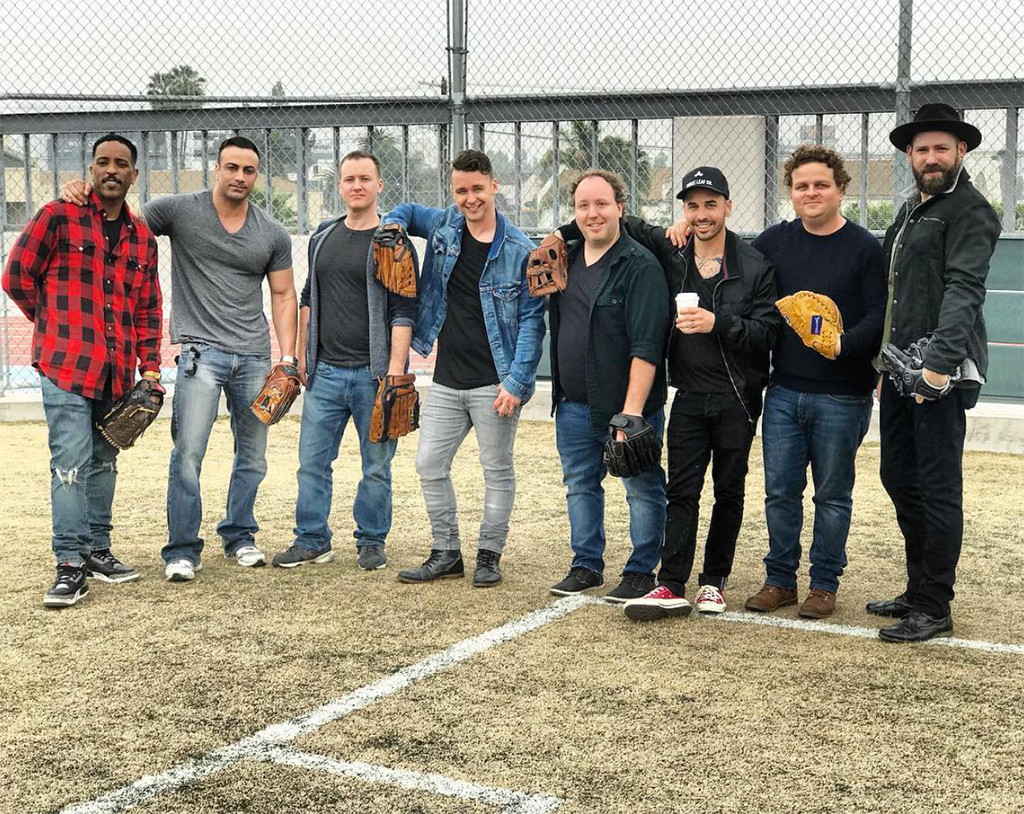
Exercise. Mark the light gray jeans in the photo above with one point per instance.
(445, 420)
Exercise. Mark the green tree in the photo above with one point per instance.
(282, 207)
(182, 80)
(614, 153)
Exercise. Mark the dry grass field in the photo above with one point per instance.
(327, 689)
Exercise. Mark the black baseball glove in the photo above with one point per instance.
(906, 369)
(640, 452)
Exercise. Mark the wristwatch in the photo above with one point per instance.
(288, 360)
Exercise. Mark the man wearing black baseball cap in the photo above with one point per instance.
(937, 254)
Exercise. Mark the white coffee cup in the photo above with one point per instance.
(686, 299)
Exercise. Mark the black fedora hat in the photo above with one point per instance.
(936, 116)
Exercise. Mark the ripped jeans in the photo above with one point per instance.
(83, 470)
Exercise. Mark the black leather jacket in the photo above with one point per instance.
(937, 254)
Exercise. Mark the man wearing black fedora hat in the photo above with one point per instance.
(937, 254)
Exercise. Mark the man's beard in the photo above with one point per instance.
(939, 183)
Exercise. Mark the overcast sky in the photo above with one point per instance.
(341, 47)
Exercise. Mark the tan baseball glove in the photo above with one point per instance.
(815, 318)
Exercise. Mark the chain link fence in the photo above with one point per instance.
(647, 88)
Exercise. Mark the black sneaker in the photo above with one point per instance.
(487, 571)
(69, 586)
(105, 567)
(577, 581)
(439, 565)
(633, 586)
(296, 555)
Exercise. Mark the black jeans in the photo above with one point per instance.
(704, 427)
(922, 470)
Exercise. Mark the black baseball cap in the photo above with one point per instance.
(704, 178)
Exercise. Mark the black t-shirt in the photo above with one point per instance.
(344, 313)
(574, 306)
(464, 359)
(112, 231)
(696, 362)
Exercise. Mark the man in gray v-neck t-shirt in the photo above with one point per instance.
(216, 276)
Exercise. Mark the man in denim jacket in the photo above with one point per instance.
(352, 333)
(475, 303)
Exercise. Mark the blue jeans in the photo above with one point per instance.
(581, 452)
(824, 431)
(83, 471)
(337, 394)
(203, 372)
(445, 421)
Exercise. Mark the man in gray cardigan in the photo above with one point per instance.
(352, 333)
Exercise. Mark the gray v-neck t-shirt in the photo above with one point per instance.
(217, 276)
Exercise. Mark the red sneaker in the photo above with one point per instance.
(658, 604)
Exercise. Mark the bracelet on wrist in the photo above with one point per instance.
(288, 360)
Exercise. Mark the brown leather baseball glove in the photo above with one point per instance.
(396, 410)
(547, 270)
(393, 263)
(132, 413)
(279, 392)
(816, 320)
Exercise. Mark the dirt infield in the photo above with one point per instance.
(586, 710)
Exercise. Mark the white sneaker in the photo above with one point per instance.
(709, 600)
(249, 556)
(181, 570)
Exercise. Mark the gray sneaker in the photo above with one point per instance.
(298, 555)
(105, 567)
(371, 557)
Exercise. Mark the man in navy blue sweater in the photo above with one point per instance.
(817, 409)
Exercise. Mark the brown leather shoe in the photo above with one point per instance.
(770, 598)
(819, 604)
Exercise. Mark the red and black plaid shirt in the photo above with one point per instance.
(93, 311)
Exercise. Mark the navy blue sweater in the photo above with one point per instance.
(846, 266)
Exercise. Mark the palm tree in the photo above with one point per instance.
(182, 80)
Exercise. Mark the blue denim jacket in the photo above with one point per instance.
(514, 320)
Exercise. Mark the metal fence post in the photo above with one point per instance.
(457, 72)
(517, 158)
(865, 124)
(1008, 176)
(26, 162)
(634, 168)
(406, 196)
(301, 194)
(204, 152)
(901, 168)
(771, 170)
(173, 141)
(556, 161)
(336, 171)
(54, 146)
(144, 169)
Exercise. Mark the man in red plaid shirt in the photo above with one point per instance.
(87, 279)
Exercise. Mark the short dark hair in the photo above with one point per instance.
(241, 142)
(473, 161)
(613, 178)
(817, 154)
(356, 154)
(120, 140)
